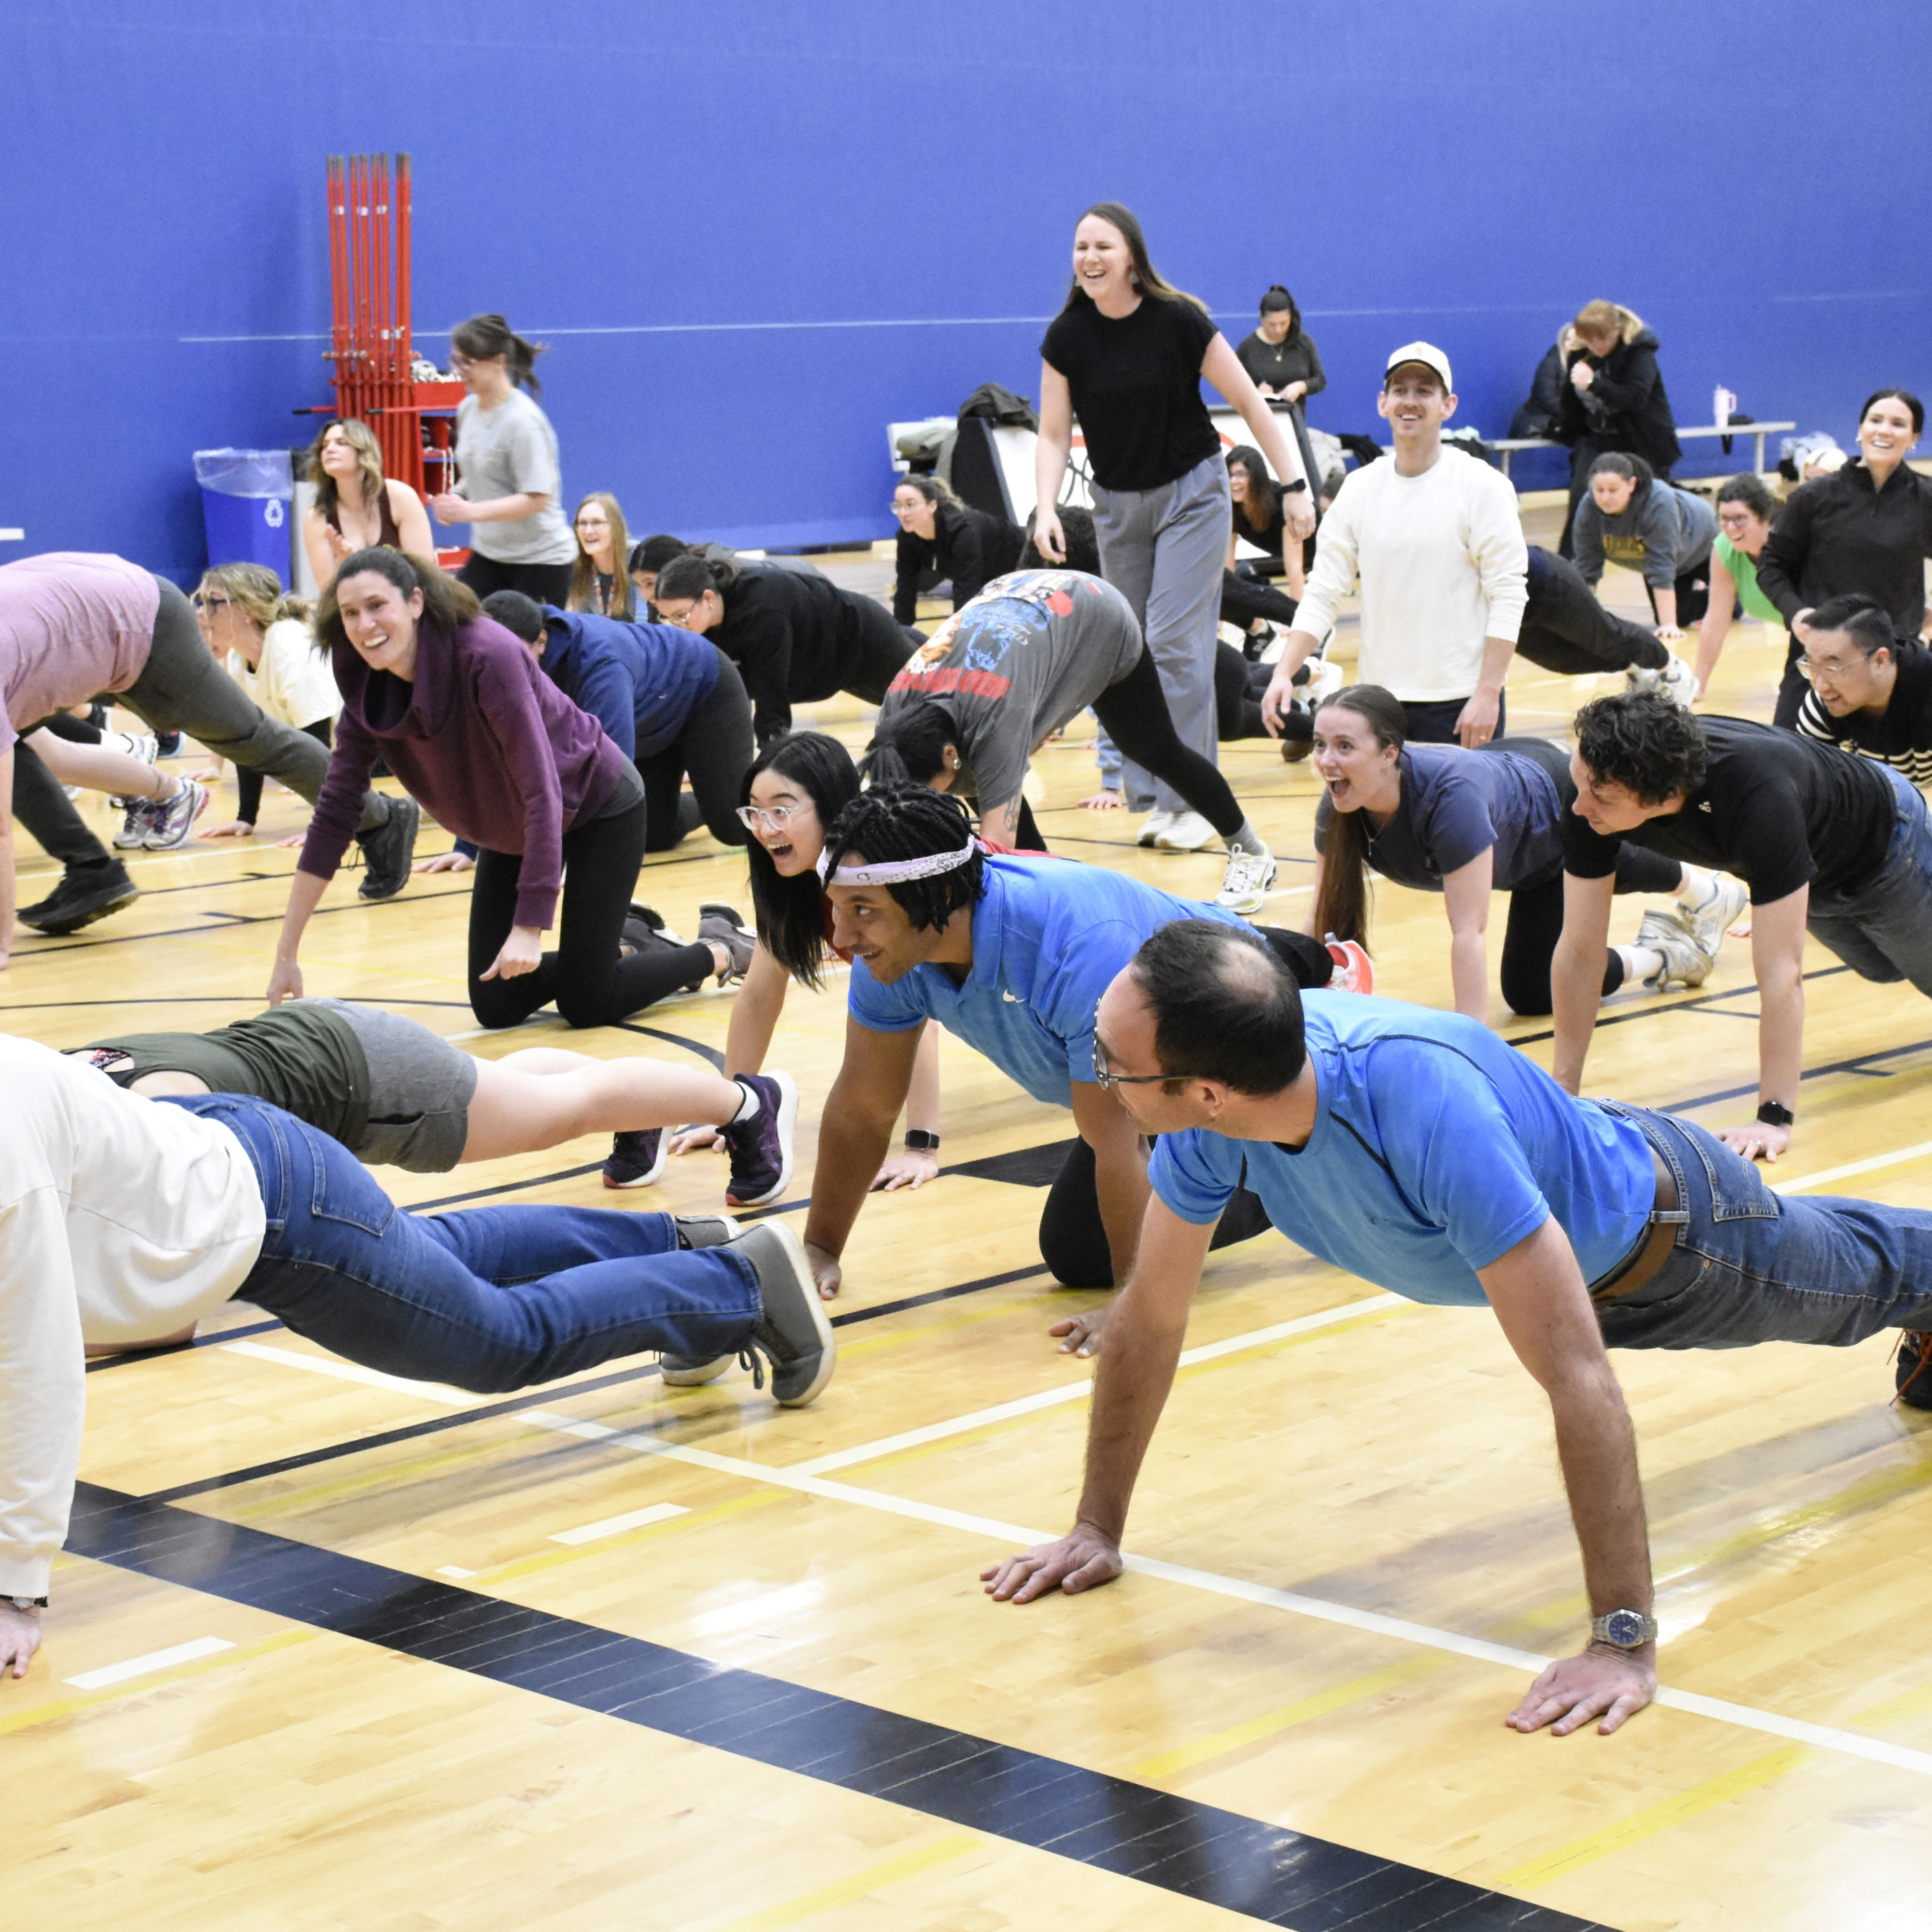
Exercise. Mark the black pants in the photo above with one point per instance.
(182, 688)
(1434, 722)
(1247, 600)
(1535, 922)
(248, 785)
(547, 582)
(75, 731)
(713, 745)
(591, 982)
(877, 650)
(1567, 630)
(1791, 690)
(1072, 1236)
(1694, 594)
(1133, 712)
(42, 806)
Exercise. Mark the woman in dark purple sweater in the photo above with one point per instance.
(465, 718)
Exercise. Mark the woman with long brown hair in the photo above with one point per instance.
(1127, 354)
(1465, 823)
(599, 583)
(355, 505)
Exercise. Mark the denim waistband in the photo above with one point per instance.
(260, 1128)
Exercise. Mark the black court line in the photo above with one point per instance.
(1696, 1003)
(696, 1046)
(1174, 1844)
(221, 1335)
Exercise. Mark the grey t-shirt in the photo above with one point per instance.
(1033, 650)
(504, 452)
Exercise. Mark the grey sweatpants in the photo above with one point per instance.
(1164, 550)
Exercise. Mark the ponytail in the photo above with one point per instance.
(908, 746)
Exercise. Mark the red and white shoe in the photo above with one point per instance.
(1354, 972)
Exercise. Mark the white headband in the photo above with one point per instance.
(897, 871)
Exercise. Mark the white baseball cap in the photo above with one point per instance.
(1428, 354)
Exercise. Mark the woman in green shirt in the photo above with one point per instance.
(1745, 509)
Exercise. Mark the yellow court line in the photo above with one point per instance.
(860, 1884)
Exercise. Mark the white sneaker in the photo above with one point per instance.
(1707, 919)
(1325, 680)
(1152, 826)
(1185, 832)
(1244, 886)
(1676, 680)
(1687, 961)
(141, 745)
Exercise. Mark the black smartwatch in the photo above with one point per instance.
(921, 1141)
(1776, 1114)
(1300, 483)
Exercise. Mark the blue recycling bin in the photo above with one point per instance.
(247, 499)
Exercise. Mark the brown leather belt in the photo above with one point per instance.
(1639, 1268)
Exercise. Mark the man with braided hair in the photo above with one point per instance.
(1010, 954)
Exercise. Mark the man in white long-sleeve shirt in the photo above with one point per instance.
(1437, 544)
(124, 1220)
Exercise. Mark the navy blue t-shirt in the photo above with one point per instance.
(1437, 1148)
(1456, 805)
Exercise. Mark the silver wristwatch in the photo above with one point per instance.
(1624, 1629)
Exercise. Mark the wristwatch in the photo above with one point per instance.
(921, 1140)
(1300, 483)
(1624, 1629)
(25, 1603)
(1775, 1113)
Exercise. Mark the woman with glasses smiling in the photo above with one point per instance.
(1746, 510)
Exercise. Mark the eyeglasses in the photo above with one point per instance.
(458, 364)
(750, 817)
(1827, 667)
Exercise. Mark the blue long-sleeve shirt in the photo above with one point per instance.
(641, 681)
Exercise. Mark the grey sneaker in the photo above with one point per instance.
(171, 819)
(133, 832)
(793, 1333)
(1709, 918)
(1687, 960)
(706, 1231)
(387, 851)
(700, 1231)
(720, 925)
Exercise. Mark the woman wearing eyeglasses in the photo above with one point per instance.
(506, 457)
(797, 787)
(941, 538)
(1746, 510)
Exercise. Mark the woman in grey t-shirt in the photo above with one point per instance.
(506, 457)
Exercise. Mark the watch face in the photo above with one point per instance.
(1624, 1628)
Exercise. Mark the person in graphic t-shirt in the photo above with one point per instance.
(1127, 354)
(1828, 843)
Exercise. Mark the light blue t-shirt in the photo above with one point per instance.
(1437, 1147)
(1048, 939)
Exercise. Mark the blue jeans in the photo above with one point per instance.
(1751, 1266)
(1883, 930)
(488, 1298)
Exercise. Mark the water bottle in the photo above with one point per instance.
(1723, 402)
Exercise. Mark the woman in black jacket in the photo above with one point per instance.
(1866, 528)
(1614, 399)
(940, 538)
(795, 638)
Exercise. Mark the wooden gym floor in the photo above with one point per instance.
(331, 1649)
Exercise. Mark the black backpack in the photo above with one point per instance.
(999, 405)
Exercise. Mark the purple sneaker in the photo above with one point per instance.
(636, 1159)
(761, 1149)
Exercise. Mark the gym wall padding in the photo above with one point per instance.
(754, 234)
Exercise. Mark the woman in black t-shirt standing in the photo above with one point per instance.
(1127, 354)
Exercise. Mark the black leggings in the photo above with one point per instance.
(714, 745)
(1133, 712)
(547, 582)
(248, 785)
(182, 688)
(41, 805)
(1072, 1236)
(1535, 922)
(1238, 705)
(1566, 629)
(879, 647)
(1246, 600)
(592, 982)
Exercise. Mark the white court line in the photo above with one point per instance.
(454, 1570)
(615, 1525)
(155, 1660)
(350, 1372)
(1211, 1352)
(1845, 1173)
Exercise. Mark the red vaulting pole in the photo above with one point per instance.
(411, 468)
(338, 271)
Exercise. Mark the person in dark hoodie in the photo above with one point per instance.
(461, 714)
(941, 538)
(1629, 517)
(1870, 689)
(1866, 527)
(1542, 414)
(1614, 399)
(795, 638)
(670, 702)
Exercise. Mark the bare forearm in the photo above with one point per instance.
(1049, 465)
(1781, 1039)
(1130, 1389)
(1469, 973)
(1597, 1450)
(1576, 991)
(923, 1102)
(1120, 1181)
(504, 509)
(305, 891)
(1497, 652)
(852, 1141)
(754, 1014)
(1711, 633)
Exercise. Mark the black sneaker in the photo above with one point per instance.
(720, 925)
(87, 893)
(636, 1160)
(644, 930)
(388, 850)
(793, 1333)
(761, 1148)
(1913, 1377)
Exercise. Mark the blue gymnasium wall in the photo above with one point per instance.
(754, 234)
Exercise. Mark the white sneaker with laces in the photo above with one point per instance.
(1675, 680)
(1687, 960)
(1707, 918)
(1152, 826)
(1244, 886)
(1186, 832)
(134, 831)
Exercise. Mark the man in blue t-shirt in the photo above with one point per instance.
(1011, 954)
(1418, 1150)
